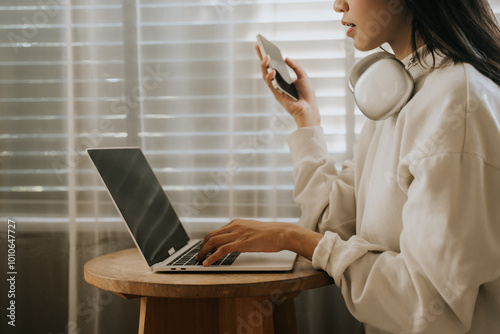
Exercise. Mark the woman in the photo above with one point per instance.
(410, 229)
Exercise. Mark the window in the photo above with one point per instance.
(179, 79)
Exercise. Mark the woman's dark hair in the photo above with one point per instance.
(464, 30)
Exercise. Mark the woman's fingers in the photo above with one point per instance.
(214, 240)
(268, 73)
(296, 68)
(258, 51)
(220, 243)
(264, 62)
(219, 253)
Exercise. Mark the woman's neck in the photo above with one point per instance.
(404, 48)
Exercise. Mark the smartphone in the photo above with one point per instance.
(283, 83)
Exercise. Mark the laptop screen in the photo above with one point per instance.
(141, 201)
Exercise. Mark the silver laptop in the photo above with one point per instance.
(154, 224)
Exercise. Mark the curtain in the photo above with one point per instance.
(182, 81)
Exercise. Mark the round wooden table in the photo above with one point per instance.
(206, 302)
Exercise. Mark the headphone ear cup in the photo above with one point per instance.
(381, 86)
(361, 66)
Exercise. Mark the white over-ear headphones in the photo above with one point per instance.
(381, 85)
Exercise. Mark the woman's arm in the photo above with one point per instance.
(325, 197)
(450, 247)
(317, 183)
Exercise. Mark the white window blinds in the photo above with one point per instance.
(179, 79)
(213, 121)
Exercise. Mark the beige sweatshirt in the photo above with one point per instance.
(412, 225)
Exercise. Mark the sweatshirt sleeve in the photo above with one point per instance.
(450, 247)
(326, 198)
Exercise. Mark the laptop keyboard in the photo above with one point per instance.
(188, 258)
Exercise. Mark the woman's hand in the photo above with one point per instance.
(305, 110)
(242, 235)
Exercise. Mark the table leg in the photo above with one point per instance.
(178, 315)
(247, 315)
(285, 320)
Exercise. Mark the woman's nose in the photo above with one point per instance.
(340, 6)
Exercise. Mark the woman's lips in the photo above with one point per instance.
(351, 26)
(350, 30)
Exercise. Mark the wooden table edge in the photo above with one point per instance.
(133, 285)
